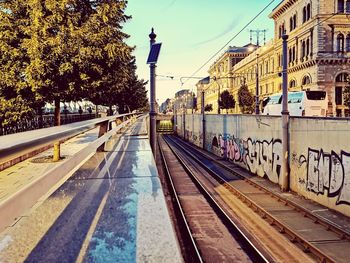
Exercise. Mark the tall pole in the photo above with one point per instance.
(218, 97)
(175, 118)
(184, 120)
(285, 118)
(153, 113)
(203, 118)
(257, 85)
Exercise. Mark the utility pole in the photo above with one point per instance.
(257, 111)
(152, 61)
(257, 32)
(218, 97)
(285, 117)
(203, 118)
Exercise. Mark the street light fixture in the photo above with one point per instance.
(152, 61)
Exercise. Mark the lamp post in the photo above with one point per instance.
(218, 97)
(153, 114)
(203, 117)
(152, 60)
(257, 85)
(285, 118)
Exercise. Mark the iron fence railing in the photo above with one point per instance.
(44, 121)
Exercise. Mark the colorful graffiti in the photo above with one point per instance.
(262, 158)
(329, 172)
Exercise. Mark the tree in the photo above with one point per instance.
(346, 95)
(208, 107)
(245, 99)
(226, 101)
(65, 50)
(18, 101)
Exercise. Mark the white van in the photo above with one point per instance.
(300, 103)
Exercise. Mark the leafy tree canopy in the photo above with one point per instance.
(245, 100)
(226, 100)
(67, 50)
(208, 107)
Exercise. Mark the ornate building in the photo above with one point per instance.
(318, 53)
(201, 87)
(221, 74)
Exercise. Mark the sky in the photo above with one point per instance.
(191, 31)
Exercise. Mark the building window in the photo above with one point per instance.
(347, 7)
(307, 47)
(340, 6)
(292, 84)
(295, 21)
(338, 95)
(304, 14)
(293, 53)
(342, 77)
(348, 42)
(290, 55)
(306, 80)
(340, 43)
(303, 49)
(308, 12)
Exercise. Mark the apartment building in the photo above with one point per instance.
(318, 53)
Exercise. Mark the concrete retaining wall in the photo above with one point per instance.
(319, 151)
(320, 161)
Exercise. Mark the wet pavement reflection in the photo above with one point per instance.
(117, 212)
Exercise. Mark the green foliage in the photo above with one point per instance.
(346, 95)
(245, 100)
(208, 107)
(67, 50)
(13, 111)
(226, 101)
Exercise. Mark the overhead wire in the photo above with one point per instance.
(237, 34)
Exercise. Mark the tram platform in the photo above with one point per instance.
(112, 209)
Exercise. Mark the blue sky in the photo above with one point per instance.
(191, 31)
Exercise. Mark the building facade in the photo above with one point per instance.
(201, 87)
(318, 54)
(184, 101)
(222, 75)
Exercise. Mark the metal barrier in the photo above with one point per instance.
(44, 121)
(20, 146)
(26, 197)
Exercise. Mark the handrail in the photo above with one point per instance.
(14, 146)
(14, 205)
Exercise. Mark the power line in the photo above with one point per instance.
(251, 21)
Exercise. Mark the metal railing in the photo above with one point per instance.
(43, 121)
(16, 147)
(11, 149)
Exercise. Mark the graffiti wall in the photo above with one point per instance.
(194, 129)
(251, 142)
(320, 161)
(319, 156)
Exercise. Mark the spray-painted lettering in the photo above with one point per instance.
(259, 157)
(329, 172)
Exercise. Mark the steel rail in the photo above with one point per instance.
(273, 221)
(193, 250)
(255, 254)
(306, 213)
(13, 146)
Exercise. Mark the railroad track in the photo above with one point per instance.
(315, 235)
(208, 232)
